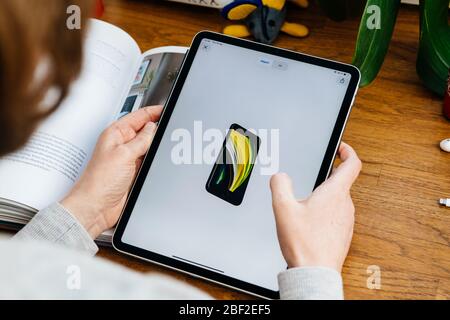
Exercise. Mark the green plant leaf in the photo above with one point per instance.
(433, 60)
(374, 37)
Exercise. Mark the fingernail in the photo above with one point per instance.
(281, 174)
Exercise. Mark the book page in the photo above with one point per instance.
(45, 169)
(154, 79)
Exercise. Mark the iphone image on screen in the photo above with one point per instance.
(232, 170)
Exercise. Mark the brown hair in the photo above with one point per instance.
(31, 32)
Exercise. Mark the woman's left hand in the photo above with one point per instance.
(97, 199)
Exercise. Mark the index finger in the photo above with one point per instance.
(347, 172)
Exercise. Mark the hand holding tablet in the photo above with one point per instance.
(238, 113)
(111, 170)
(328, 211)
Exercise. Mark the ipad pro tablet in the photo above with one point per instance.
(238, 113)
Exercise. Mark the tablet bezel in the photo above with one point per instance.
(324, 171)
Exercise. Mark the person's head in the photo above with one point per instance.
(38, 53)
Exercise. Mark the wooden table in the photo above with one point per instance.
(395, 127)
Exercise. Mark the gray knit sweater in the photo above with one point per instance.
(52, 258)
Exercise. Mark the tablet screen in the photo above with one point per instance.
(241, 116)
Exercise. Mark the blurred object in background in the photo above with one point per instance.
(412, 2)
(206, 3)
(99, 9)
(262, 19)
(433, 59)
(219, 4)
(375, 32)
(447, 99)
(339, 10)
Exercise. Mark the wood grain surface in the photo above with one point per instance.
(395, 127)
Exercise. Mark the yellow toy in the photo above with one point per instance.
(263, 19)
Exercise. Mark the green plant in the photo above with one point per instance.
(433, 61)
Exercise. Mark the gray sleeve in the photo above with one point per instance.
(310, 283)
(56, 224)
(58, 273)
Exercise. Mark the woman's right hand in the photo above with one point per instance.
(317, 231)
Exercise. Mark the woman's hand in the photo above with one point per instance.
(98, 197)
(317, 231)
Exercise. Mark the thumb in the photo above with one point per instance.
(140, 144)
(283, 199)
(347, 172)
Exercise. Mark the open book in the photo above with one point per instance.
(116, 79)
